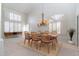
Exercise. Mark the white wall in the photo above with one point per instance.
(77, 14)
(0, 21)
(1, 40)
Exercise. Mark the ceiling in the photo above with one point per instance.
(18, 6)
(22, 7)
(36, 8)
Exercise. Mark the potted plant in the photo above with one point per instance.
(71, 33)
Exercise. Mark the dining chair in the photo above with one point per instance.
(27, 37)
(46, 41)
(35, 40)
(53, 40)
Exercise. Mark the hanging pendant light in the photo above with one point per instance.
(43, 21)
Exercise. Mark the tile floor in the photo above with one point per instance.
(11, 48)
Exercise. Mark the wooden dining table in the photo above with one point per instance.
(52, 36)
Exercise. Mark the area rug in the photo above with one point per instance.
(53, 51)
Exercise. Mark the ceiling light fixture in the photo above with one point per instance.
(43, 21)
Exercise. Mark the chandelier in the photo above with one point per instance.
(43, 21)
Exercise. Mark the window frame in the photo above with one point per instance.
(11, 19)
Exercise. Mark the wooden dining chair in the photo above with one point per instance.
(35, 40)
(46, 41)
(53, 40)
(27, 37)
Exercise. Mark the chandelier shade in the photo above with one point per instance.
(43, 21)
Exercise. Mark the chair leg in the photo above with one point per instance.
(55, 43)
(40, 46)
(31, 42)
(37, 46)
(56, 40)
(24, 41)
(48, 47)
(28, 41)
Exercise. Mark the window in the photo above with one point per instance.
(6, 26)
(19, 27)
(57, 22)
(50, 27)
(19, 18)
(26, 28)
(13, 24)
(57, 27)
(15, 27)
(11, 16)
(14, 17)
